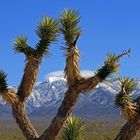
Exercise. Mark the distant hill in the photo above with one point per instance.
(47, 95)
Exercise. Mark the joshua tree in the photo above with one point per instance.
(130, 109)
(47, 32)
(73, 129)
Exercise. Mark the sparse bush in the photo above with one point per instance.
(73, 129)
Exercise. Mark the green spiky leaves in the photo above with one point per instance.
(69, 20)
(128, 84)
(124, 99)
(21, 46)
(73, 129)
(111, 59)
(111, 64)
(47, 31)
(3, 82)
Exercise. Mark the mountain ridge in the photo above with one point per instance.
(47, 96)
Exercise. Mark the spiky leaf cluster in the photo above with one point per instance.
(73, 129)
(110, 66)
(69, 20)
(3, 83)
(124, 98)
(128, 84)
(47, 31)
(21, 46)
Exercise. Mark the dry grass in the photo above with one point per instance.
(95, 130)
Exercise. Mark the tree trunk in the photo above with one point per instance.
(19, 112)
(129, 130)
(29, 78)
(65, 109)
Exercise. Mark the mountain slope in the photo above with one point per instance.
(47, 96)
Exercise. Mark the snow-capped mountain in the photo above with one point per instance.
(47, 96)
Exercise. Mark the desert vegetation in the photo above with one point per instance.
(47, 31)
(94, 130)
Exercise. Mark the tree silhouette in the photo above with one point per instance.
(47, 31)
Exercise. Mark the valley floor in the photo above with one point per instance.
(95, 130)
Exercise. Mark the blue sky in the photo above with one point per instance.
(108, 26)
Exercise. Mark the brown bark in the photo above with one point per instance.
(21, 117)
(88, 84)
(29, 78)
(76, 84)
(19, 113)
(72, 72)
(65, 109)
(10, 97)
(129, 130)
(24, 90)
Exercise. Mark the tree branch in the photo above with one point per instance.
(47, 31)
(19, 112)
(110, 66)
(69, 20)
(124, 53)
(29, 78)
(22, 119)
(72, 72)
(10, 97)
(88, 84)
(124, 100)
(64, 111)
(21, 46)
(129, 130)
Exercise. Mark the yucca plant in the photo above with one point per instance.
(73, 129)
(69, 20)
(130, 109)
(3, 82)
(21, 46)
(110, 65)
(47, 31)
(124, 99)
(70, 29)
